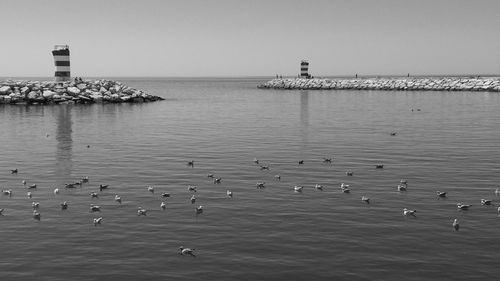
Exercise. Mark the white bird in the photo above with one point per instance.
(33, 186)
(256, 161)
(318, 187)
(343, 185)
(141, 211)
(193, 199)
(36, 215)
(94, 195)
(277, 177)
(456, 226)
(229, 193)
(199, 210)
(29, 194)
(95, 208)
(192, 188)
(97, 221)
(498, 210)
(64, 205)
(365, 199)
(151, 189)
(462, 206)
(497, 192)
(345, 190)
(401, 187)
(298, 188)
(186, 251)
(35, 205)
(485, 202)
(118, 199)
(441, 194)
(260, 185)
(7, 192)
(217, 180)
(163, 205)
(24, 182)
(264, 167)
(407, 212)
(56, 191)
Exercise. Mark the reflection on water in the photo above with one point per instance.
(304, 116)
(64, 163)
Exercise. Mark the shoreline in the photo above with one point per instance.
(19, 92)
(482, 84)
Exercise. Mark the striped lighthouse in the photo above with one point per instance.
(304, 68)
(61, 61)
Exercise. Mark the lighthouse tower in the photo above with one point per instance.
(304, 68)
(61, 61)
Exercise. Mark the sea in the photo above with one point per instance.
(436, 141)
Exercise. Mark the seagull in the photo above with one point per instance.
(393, 133)
(95, 208)
(210, 176)
(7, 192)
(165, 195)
(13, 171)
(103, 186)
(193, 199)
(192, 188)
(298, 188)
(217, 180)
(485, 202)
(301, 162)
(462, 206)
(151, 189)
(256, 161)
(260, 185)
(1, 211)
(94, 195)
(365, 199)
(379, 166)
(163, 205)
(407, 212)
(264, 167)
(33, 186)
(97, 221)
(327, 160)
(36, 215)
(24, 182)
(318, 187)
(85, 179)
(403, 181)
(141, 211)
(456, 226)
(343, 186)
(64, 205)
(118, 199)
(349, 173)
(277, 177)
(29, 194)
(56, 191)
(35, 205)
(401, 187)
(190, 163)
(69, 185)
(345, 190)
(229, 193)
(498, 210)
(199, 210)
(441, 194)
(186, 251)
(497, 191)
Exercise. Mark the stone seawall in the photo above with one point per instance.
(486, 84)
(80, 92)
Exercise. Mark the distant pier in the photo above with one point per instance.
(480, 84)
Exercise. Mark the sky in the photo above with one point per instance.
(223, 38)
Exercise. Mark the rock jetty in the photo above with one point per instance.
(486, 84)
(78, 92)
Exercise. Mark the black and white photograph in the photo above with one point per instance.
(249, 140)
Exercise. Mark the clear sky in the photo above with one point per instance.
(251, 38)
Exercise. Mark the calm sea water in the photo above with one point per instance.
(451, 144)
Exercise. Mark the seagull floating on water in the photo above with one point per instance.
(229, 193)
(36, 215)
(365, 199)
(441, 194)
(24, 182)
(401, 187)
(210, 176)
(301, 162)
(193, 199)
(1, 212)
(151, 189)
(186, 251)
(217, 180)
(260, 185)
(485, 202)
(256, 161)
(94, 195)
(407, 212)
(298, 188)
(379, 166)
(64, 205)
(318, 187)
(163, 205)
(199, 210)
(327, 160)
(35, 205)
(85, 179)
(56, 191)
(29, 194)
(95, 208)
(7, 192)
(462, 206)
(266, 167)
(141, 211)
(33, 186)
(97, 221)
(165, 195)
(277, 177)
(190, 163)
(13, 171)
(118, 199)
(102, 187)
(456, 226)
(349, 173)
(192, 188)
(403, 181)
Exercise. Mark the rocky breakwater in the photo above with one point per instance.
(79, 92)
(486, 84)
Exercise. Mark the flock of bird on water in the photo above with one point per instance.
(344, 188)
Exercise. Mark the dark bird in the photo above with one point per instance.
(379, 166)
(301, 162)
(165, 195)
(13, 171)
(327, 160)
(186, 251)
(103, 186)
(441, 194)
(190, 164)
(64, 205)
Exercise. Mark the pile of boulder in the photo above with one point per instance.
(78, 91)
(485, 84)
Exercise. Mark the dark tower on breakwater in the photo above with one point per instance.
(61, 61)
(304, 68)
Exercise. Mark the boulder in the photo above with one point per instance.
(5, 90)
(73, 91)
(82, 86)
(48, 94)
